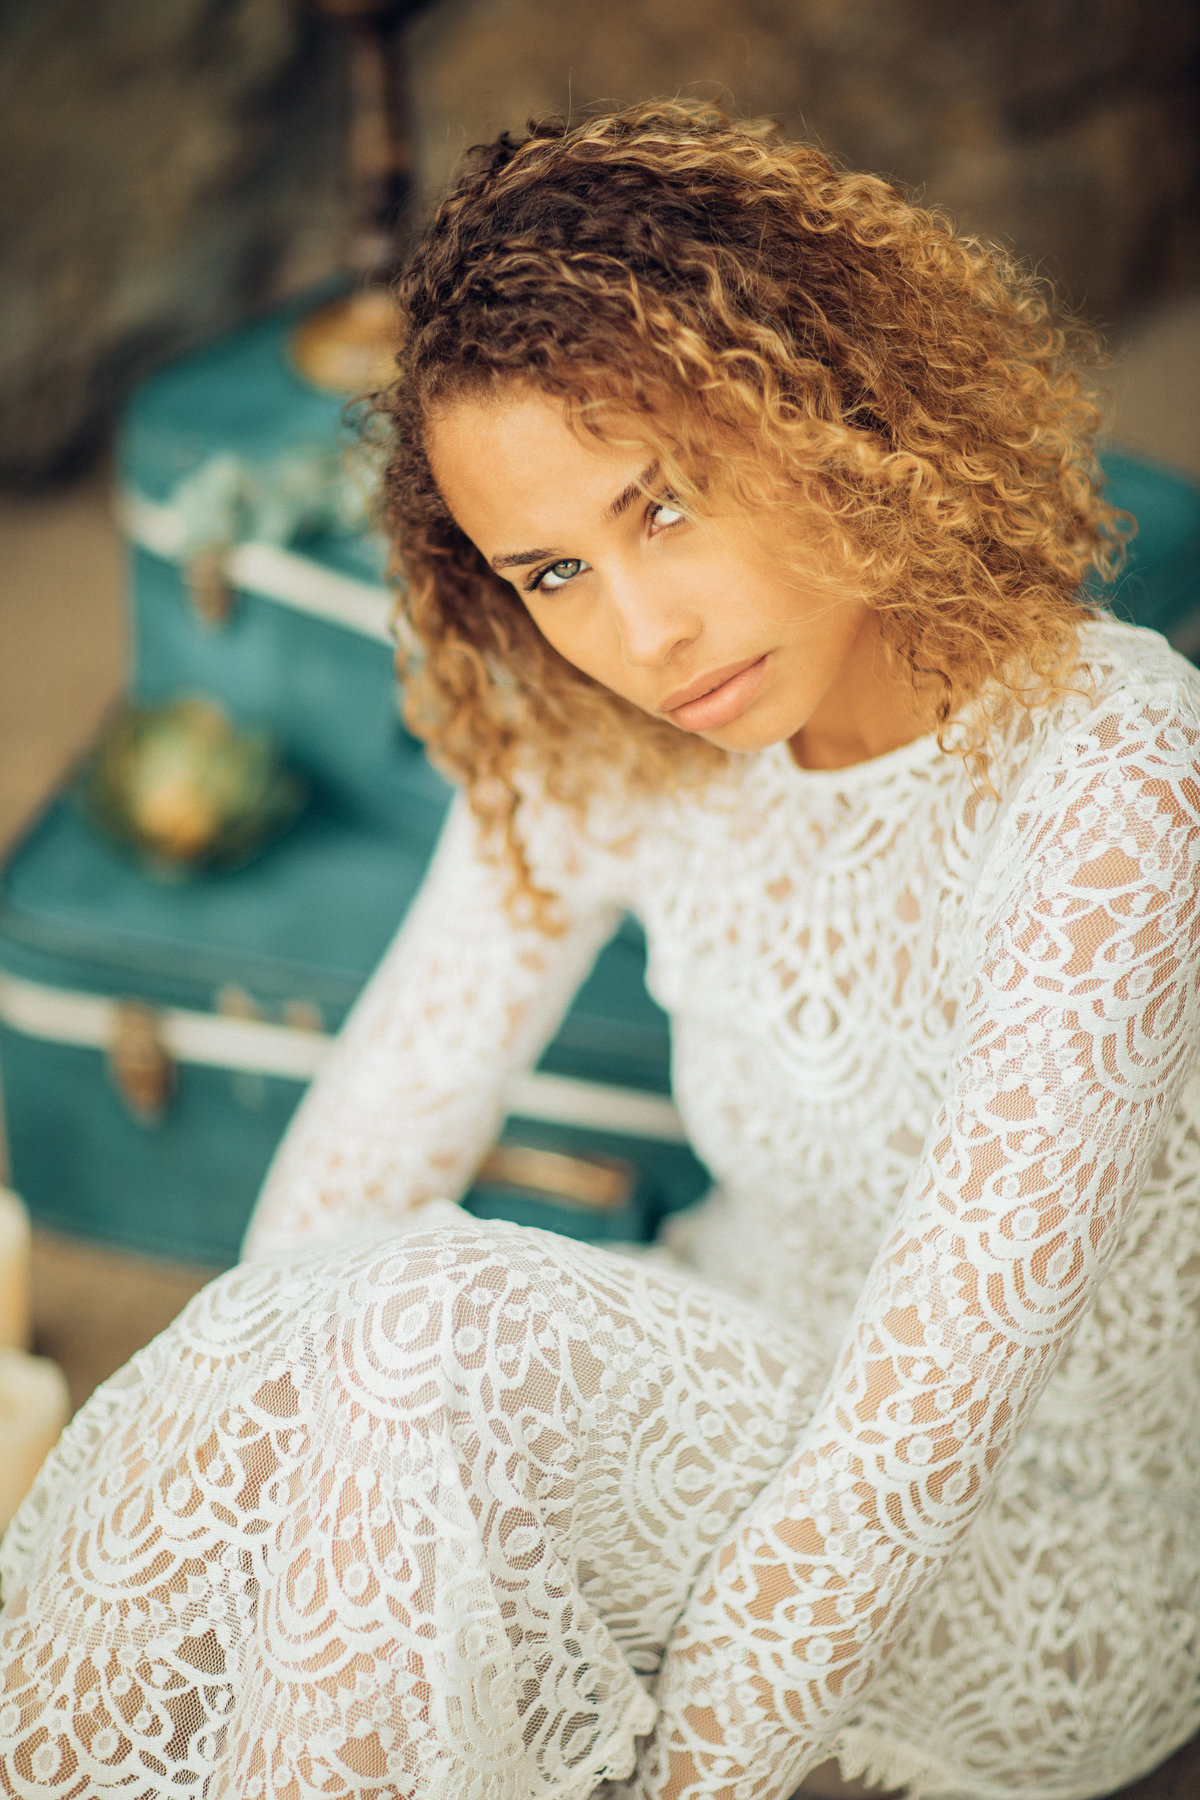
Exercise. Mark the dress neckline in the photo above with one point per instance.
(854, 777)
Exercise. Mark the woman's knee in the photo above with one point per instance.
(443, 1310)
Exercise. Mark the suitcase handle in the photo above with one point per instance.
(597, 1183)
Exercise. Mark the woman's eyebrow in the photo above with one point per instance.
(519, 559)
(628, 495)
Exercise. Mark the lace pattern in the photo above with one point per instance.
(449, 1506)
(352, 1535)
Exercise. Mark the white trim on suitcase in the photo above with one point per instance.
(268, 570)
(89, 1021)
(559, 1100)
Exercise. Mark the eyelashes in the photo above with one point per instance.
(552, 578)
(556, 575)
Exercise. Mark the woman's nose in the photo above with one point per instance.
(652, 621)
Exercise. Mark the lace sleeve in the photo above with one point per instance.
(412, 1094)
(1081, 1026)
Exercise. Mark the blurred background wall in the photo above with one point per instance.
(170, 166)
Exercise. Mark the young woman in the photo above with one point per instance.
(744, 512)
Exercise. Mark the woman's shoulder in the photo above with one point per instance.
(1116, 761)
(1132, 693)
(607, 830)
(1130, 665)
(588, 830)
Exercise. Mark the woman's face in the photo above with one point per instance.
(696, 620)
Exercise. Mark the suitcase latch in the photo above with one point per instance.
(209, 586)
(140, 1063)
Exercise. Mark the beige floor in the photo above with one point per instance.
(62, 659)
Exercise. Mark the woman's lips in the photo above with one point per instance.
(721, 705)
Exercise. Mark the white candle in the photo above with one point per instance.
(14, 1272)
(34, 1407)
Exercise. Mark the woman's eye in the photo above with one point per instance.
(666, 513)
(557, 575)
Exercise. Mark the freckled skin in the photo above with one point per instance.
(651, 600)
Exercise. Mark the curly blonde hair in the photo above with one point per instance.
(783, 327)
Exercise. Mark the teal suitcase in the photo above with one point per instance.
(224, 993)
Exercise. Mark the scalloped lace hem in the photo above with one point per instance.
(617, 1755)
(871, 1755)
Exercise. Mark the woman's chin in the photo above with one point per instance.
(744, 736)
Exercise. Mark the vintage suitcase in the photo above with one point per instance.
(155, 1039)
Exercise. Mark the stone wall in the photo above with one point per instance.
(171, 165)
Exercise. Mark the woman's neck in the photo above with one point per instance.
(875, 707)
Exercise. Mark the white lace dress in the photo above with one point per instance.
(895, 1454)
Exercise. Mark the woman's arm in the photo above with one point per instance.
(1083, 1023)
(412, 1094)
